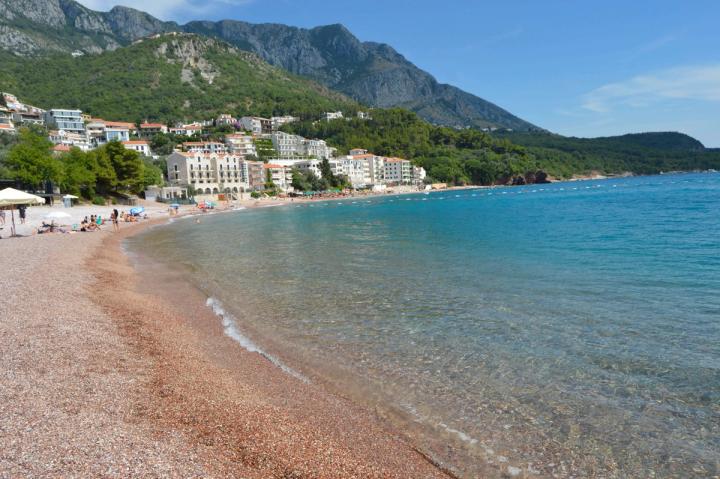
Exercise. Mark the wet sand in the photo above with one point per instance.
(102, 376)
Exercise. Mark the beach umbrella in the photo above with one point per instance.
(137, 210)
(70, 197)
(175, 205)
(12, 197)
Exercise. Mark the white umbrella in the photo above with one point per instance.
(70, 197)
(13, 197)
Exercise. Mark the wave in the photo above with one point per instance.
(231, 330)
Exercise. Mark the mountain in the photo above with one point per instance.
(372, 73)
(169, 77)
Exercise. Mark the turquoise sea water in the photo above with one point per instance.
(569, 329)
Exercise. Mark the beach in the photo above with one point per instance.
(101, 377)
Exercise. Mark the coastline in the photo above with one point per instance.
(178, 396)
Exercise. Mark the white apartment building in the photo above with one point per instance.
(398, 171)
(240, 144)
(67, 120)
(287, 145)
(281, 176)
(278, 121)
(310, 164)
(208, 173)
(357, 171)
(419, 175)
(318, 149)
(141, 146)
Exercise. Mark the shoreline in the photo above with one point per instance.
(179, 397)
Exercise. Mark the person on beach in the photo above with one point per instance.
(21, 210)
(2, 217)
(115, 216)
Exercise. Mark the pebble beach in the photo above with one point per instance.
(102, 377)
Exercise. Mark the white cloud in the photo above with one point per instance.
(689, 83)
(167, 9)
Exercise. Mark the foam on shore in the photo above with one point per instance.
(231, 330)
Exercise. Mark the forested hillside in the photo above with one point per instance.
(174, 77)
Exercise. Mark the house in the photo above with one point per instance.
(95, 129)
(334, 115)
(7, 128)
(148, 130)
(187, 130)
(141, 146)
(278, 121)
(117, 131)
(363, 115)
(66, 120)
(63, 137)
(28, 118)
(208, 173)
(256, 125)
(225, 119)
(241, 144)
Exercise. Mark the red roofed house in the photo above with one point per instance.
(148, 130)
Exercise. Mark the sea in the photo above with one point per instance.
(561, 330)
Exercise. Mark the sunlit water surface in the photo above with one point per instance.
(569, 329)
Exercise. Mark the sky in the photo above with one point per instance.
(582, 68)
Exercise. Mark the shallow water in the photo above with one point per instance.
(568, 329)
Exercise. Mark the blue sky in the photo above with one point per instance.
(583, 68)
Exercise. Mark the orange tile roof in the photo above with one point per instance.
(152, 125)
(135, 142)
(61, 148)
(268, 166)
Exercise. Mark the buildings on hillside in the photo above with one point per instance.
(228, 165)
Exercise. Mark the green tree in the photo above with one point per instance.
(79, 177)
(31, 161)
(128, 166)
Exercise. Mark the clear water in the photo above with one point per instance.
(570, 329)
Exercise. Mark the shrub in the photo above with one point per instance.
(98, 200)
